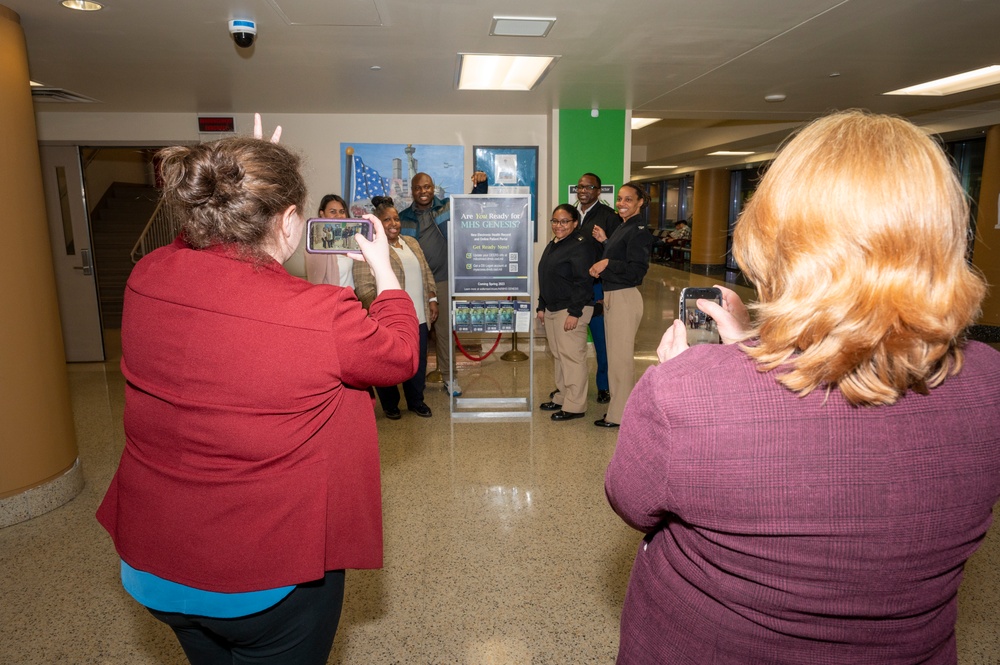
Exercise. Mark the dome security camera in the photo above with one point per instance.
(243, 31)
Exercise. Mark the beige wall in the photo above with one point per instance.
(37, 440)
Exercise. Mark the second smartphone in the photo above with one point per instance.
(701, 328)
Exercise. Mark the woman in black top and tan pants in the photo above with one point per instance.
(565, 305)
(625, 262)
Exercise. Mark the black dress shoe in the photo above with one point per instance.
(567, 415)
(550, 406)
(603, 396)
(393, 414)
(605, 423)
(553, 393)
(421, 410)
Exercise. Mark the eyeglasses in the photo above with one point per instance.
(590, 187)
(562, 222)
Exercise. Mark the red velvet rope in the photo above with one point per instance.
(466, 353)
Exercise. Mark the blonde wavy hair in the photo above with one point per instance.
(856, 241)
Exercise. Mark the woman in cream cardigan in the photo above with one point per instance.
(416, 278)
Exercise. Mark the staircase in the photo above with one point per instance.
(115, 224)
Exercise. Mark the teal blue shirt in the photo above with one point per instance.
(163, 595)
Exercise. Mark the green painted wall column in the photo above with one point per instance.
(588, 144)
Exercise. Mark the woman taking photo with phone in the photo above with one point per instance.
(565, 305)
(250, 475)
(813, 493)
(416, 278)
(621, 270)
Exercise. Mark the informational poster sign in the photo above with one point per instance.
(490, 242)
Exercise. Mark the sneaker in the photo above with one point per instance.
(453, 388)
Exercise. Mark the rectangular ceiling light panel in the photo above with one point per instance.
(478, 71)
(978, 78)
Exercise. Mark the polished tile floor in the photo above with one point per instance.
(500, 547)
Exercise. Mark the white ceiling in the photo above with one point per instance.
(702, 65)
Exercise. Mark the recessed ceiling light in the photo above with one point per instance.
(375, 68)
(730, 153)
(777, 97)
(82, 5)
(659, 167)
(521, 26)
(480, 71)
(639, 123)
(978, 78)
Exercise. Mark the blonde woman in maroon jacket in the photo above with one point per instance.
(250, 475)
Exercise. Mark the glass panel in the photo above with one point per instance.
(67, 220)
(654, 205)
(671, 201)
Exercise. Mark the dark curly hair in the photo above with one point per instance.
(232, 191)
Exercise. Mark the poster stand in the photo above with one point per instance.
(490, 247)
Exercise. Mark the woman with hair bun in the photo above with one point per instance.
(416, 278)
(250, 475)
(811, 490)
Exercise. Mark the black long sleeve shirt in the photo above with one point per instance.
(627, 252)
(563, 278)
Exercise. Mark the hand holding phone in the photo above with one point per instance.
(335, 236)
(700, 327)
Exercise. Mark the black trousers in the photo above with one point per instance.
(299, 629)
(413, 388)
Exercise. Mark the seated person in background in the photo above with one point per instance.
(812, 495)
(659, 243)
(416, 278)
(679, 238)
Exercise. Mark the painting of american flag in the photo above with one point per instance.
(385, 169)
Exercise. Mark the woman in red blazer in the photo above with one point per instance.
(250, 475)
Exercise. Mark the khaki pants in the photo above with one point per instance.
(442, 329)
(622, 316)
(569, 354)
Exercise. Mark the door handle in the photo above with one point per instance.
(88, 266)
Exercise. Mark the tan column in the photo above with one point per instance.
(710, 217)
(38, 453)
(986, 253)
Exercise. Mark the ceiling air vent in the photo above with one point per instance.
(44, 94)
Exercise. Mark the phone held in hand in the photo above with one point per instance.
(701, 328)
(335, 236)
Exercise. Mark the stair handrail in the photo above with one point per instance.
(161, 230)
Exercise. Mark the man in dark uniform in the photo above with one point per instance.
(594, 213)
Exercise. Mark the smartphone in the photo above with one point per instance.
(335, 236)
(701, 328)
